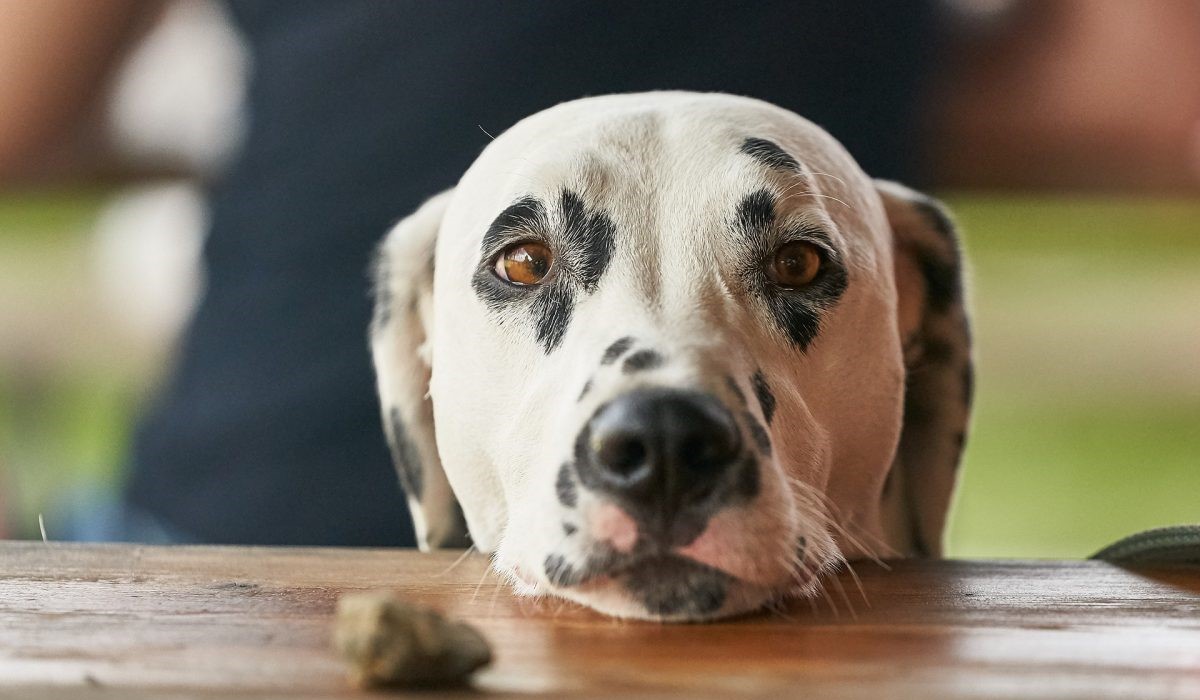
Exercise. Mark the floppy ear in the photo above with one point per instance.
(403, 278)
(939, 376)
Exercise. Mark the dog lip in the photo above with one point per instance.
(615, 566)
(657, 560)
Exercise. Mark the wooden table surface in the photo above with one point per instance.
(121, 621)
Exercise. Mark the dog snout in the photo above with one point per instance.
(658, 452)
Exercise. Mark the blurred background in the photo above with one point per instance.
(1064, 134)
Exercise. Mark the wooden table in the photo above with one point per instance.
(120, 621)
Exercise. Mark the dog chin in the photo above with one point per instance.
(610, 597)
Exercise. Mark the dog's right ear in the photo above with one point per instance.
(400, 342)
(936, 337)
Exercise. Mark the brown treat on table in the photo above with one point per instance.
(390, 642)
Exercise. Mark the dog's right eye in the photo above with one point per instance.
(525, 263)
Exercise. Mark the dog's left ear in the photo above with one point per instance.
(403, 277)
(936, 337)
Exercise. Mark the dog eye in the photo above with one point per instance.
(524, 263)
(795, 264)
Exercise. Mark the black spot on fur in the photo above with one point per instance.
(671, 585)
(587, 386)
(766, 399)
(758, 433)
(552, 310)
(735, 390)
(404, 455)
(936, 352)
(559, 572)
(943, 283)
(797, 312)
(756, 211)
(939, 220)
(564, 486)
(614, 351)
(942, 270)
(569, 529)
(642, 360)
(801, 548)
(769, 154)
(589, 239)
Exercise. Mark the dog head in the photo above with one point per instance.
(673, 356)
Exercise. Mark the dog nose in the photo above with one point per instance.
(658, 451)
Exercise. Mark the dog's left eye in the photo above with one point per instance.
(524, 263)
(795, 264)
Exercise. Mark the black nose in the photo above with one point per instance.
(659, 451)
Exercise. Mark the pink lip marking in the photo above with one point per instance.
(706, 549)
(611, 524)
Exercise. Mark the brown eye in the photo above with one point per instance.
(795, 264)
(524, 263)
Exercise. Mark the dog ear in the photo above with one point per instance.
(400, 335)
(939, 375)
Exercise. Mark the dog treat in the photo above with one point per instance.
(390, 642)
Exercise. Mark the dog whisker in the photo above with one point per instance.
(842, 591)
(492, 603)
(858, 582)
(824, 511)
(461, 558)
(486, 571)
(833, 177)
(790, 191)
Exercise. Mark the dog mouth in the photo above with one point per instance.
(671, 585)
(667, 585)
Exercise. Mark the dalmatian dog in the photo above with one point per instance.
(673, 356)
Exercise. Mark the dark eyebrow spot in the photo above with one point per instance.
(588, 239)
(766, 399)
(640, 360)
(614, 351)
(525, 213)
(769, 154)
(756, 211)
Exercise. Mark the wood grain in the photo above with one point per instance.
(123, 621)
